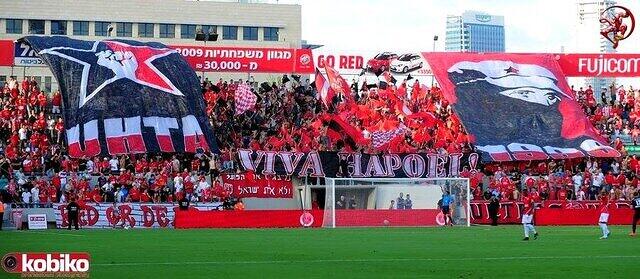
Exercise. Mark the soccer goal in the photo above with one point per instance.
(404, 202)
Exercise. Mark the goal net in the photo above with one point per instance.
(410, 202)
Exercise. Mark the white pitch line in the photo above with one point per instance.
(54, 233)
(365, 260)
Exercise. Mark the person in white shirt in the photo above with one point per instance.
(114, 164)
(90, 166)
(577, 182)
(580, 196)
(26, 197)
(177, 183)
(107, 187)
(615, 167)
(35, 195)
(202, 185)
(598, 178)
(63, 178)
(22, 133)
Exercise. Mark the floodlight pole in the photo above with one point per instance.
(435, 39)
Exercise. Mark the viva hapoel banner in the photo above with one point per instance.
(134, 215)
(517, 106)
(243, 59)
(126, 97)
(258, 186)
(328, 164)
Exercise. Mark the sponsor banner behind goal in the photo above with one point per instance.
(134, 215)
(551, 212)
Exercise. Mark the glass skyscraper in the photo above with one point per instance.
(475, 32)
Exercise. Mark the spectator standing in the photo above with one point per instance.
(400, 201)
(114, 165)
(352, 202)
(26, 198)
(408, 203)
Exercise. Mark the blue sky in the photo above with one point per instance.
(531, 25)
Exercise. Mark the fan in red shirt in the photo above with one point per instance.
(56, 102)
(134, 194)
(621, 180)
(562, 194)
(530, 182)
(609, 179)
(604, 214)
(194, 164)
(141, 165)
(542, 168)
(95, 195)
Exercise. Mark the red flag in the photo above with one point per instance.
(338, 124)
(325, 92)
(337, 82)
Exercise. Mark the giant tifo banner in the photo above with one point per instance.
(258, 186)
(134, 215)
(553, 212)
(517, 106)
(25, 55)
(358, 165)
(126, 97)
(241, 59)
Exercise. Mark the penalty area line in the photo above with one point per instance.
(367, 260)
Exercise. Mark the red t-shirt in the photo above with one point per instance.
(604, 204)
(562, 195)
(609, 179)
(56, 100)
(134, 193)
(621, 179)
(27, 166)
(528, 205)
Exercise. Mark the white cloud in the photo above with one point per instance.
(530, 25)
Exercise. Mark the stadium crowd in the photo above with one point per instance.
(35, 169)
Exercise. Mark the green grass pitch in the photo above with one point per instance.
(475, 252)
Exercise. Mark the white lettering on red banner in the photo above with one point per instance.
(229, 59)
(258, 186)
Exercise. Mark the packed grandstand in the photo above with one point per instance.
(35, 169)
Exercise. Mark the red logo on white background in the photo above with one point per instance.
(305, 59)
(47, 264)
(440, 219)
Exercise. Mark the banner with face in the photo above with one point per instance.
(517, 106)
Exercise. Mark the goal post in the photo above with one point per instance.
(395, 202)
